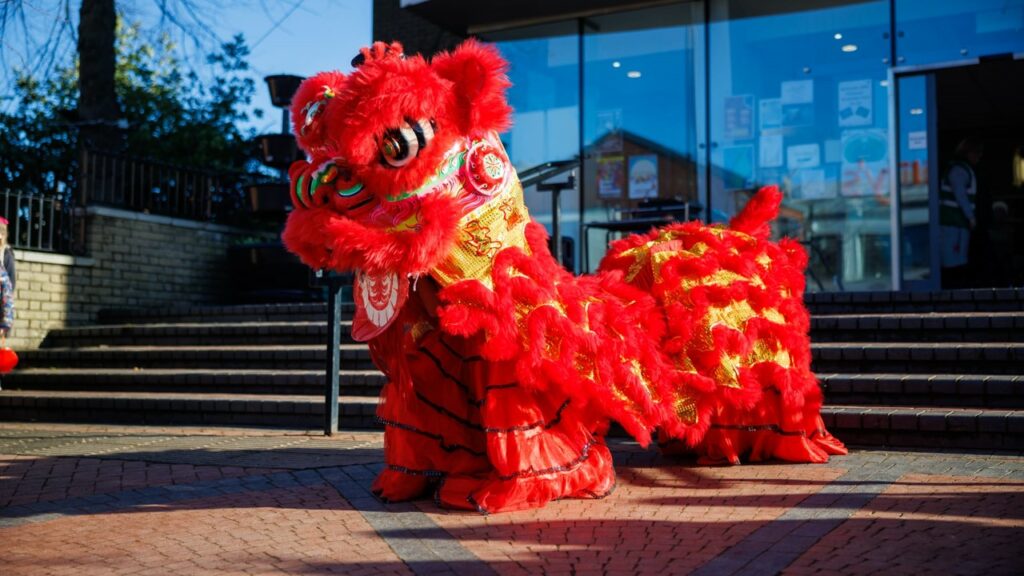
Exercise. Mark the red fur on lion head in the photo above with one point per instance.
(342, 122)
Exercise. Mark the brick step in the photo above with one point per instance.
(198, 382)
(982, 300)
(961, 391)
(194, 333)
(926, 427)
(923, 327)
(856, 425)
(918, 357)
(282, 357)
(232, 313)
(181, 408)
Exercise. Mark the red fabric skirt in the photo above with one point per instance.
(463, 426)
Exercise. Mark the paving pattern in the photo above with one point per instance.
(105, 500)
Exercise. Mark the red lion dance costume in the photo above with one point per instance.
(504, 369)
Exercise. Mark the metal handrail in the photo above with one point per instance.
(541, 172)
(40, 222)
(152, 186)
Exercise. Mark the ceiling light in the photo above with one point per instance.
(633, 74)
(883, 83)
(916, 111)
(849, 48)
(838, 36)
(616, 64)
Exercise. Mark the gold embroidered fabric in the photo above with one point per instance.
(488, 229)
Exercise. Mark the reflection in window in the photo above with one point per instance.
(799, 99)
(545, 74)
(639, 131)
(931, 31)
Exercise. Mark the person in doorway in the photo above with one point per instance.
(958, 212)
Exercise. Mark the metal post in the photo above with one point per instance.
(556, 210)
(556, 223)
(333, 355)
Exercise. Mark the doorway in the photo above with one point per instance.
(966, 122)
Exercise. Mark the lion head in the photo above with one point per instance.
(405, 174)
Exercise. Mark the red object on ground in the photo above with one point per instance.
(8, 360)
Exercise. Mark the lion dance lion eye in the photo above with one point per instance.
(400, 145)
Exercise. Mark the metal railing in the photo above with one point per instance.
(154, 187)
(44, 223)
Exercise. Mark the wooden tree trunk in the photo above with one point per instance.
(98, 109)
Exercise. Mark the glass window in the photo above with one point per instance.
(915, 113)
(798, 97)
(931, 31)
(545, 95)
(639, 127)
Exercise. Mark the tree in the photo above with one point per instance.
(161, 110)
(98, 110)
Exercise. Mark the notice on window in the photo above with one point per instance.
(833, 151)
(770, 151)
(855, 103)
(865, 163)
(769, 113)
(917, 140)
(610, 123)
(797, 92)
(643, 176)
(611, 177)
(803, 156)
(739, 117)
(812, 185)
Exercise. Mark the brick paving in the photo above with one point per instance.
(122, 500)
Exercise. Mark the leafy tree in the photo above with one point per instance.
(167, 113)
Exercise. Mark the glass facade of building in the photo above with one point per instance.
(690, 107)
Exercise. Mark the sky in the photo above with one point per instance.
(300, 37)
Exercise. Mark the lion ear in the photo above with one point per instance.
(309, 105)
(478, 73)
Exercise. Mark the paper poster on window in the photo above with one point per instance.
(812, 185)
(738, 164)
(833, 151)
(739, 117)
(609, 124)
(797, 92)
(769, 113)
(611, 177)
(797, 103)
(797, 115)
(917, 140)
(643, 177)
(865, 168)
(855, 104)
(803, 156)
(770, 151)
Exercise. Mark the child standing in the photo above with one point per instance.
(7, 281)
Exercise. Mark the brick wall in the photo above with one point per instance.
(134, 260)
(47, 285)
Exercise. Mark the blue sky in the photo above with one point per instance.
(300, 37)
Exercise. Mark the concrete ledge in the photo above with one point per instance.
(24, 255)
(107, 212)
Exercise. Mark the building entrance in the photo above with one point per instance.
(961, 176)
